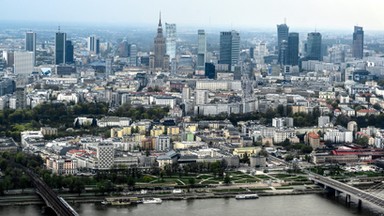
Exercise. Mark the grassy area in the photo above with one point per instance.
(259, 189)
(284, 188)
(264, 177)
(246, 181)
(282, 175)
(233, 190)
(204, 176)
(211, 182)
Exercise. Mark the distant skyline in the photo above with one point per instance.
(309, 14)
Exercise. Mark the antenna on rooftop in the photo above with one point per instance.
(59, 28)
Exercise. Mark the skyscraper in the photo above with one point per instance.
(108, 67)
(91, 43)
(201, 49)
(293, 49)
(229, 48)
(283, 53)
(30, 44)
(314, 46)
(60, 40)
(170, 38)
(282, 35)
(160, 48)
(23, 67)
(124, 49)
(358, 43)
(97, 46)
(132, 55)
(69, 52)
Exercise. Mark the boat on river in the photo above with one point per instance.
(120, 201)
(152, 201)
(246, 196)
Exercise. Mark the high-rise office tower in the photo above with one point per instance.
(97, 46)
(210, 71)
(133, 55)
(93, 45)
(260, 52)
(60, 40)
(358, 43)
(283, 52)
(23, 67)
(69, 52)
(201, 49)
(124, 49)
(314, 46)
(282, 35)
(160, 48)
(229, 48)
(293, 49)
(30, 44)
(108, 67)
(170, 38)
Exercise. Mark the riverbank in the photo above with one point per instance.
(34, 199)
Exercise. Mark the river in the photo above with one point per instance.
(299, 205)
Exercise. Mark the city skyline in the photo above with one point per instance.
(313, 14)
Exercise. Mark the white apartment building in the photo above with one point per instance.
(105, 154)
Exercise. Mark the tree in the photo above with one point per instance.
(131, 182)
(245, 159)
(77, 124)
(24, 182)
(191, 182)
(79, 185)
(363, 141)
(94, 122)
(305, 149)
(376, 106)
(227, 179)
(289, 157)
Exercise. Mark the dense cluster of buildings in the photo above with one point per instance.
(228, 78)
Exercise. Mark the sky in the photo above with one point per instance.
(233, 14)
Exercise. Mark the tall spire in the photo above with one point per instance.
(160, 18)
(159, 27)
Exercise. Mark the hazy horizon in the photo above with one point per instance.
(242, 14)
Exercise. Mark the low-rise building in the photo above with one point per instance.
(7, 144)
(114, 121)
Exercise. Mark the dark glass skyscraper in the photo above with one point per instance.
(69, 52)
(210, 72)
(358, 43)
(282, 35)
(60, 40)
(314, 46)
(30, 43)
(283, 53)
(229, 48)
(293, 49)
(93, 44)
